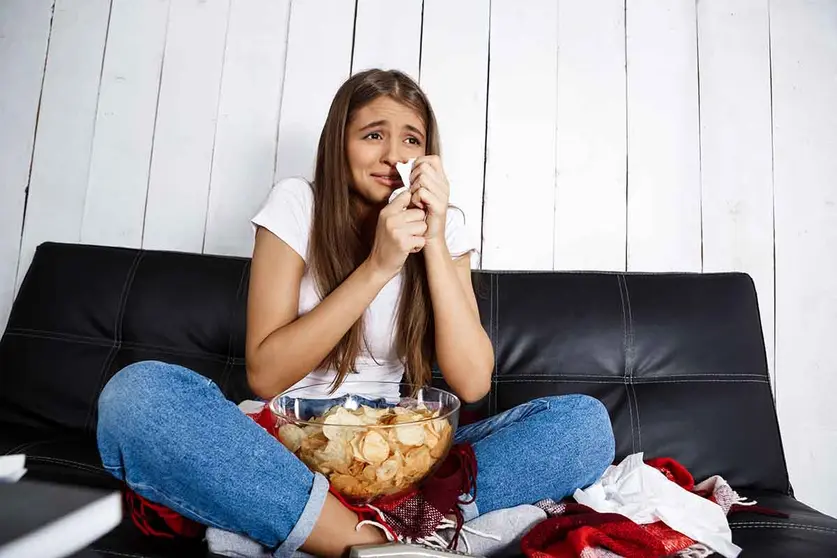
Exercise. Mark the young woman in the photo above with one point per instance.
(345, 282)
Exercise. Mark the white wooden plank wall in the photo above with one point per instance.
(640, 135)
(590, 231)
(124, 128)
(24, 33)
(804, 62)
(184, 135)
(458, 93)
(319, 59)
(248, 115)
(520, 146)
(60, 164)
(736, 145)
(663, 141)
(388, 36)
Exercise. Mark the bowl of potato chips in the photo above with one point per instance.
(371, 439)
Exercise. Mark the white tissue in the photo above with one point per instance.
(404, 170)
(12, 467)
(644, 495)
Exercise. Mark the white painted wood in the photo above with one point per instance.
(663, 144)
(388, 36)
(319, 60)
(245, 137)
(24, 32)
(181, 158)
(121, 153)
(64, 134)
(457, 93)
(519, 209)
(736, 145)
(590, 190)
(804, 62)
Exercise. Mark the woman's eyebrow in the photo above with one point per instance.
(374, 124)
(377, 123)
(414, 130)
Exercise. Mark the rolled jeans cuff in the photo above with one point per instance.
(307, 519)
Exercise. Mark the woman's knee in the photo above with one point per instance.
(137, 389)
(593, 429)
(598, 430)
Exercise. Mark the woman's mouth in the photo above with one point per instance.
(390, 181)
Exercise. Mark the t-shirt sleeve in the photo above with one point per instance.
(287, 212)
(459, 238)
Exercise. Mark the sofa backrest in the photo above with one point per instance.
(678, 359)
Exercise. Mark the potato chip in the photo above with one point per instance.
(370, 473)
(291, 436)
(430, 436)
(374, 447)
(345, 483)
(387, 470)
(341, 419)
(410, 435)
(442, 445)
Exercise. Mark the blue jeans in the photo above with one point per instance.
(174, 438)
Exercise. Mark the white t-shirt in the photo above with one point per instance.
(288, 213)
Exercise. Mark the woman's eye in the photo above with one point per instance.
(373, 135)
(413, 141)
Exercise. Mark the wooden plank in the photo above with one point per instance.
(61, 159)
(590, 190)
(388, 36)
(24, 34)
(181, 158)
(663, 145)
(519, 203)
(458, 95)
(245, 144)
(804, 63)
(119, 164)
(736, 146)
(313, 74)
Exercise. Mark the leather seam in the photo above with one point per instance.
(619, 281)
(115, 553)
(577, 379)
(652, 379)
(117, 336)
(228, 364)
(57, 336)
(495, 303)
(28, 445)
(772, 525)
(629, 360)
(68, 463)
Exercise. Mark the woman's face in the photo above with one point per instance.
(380, 134)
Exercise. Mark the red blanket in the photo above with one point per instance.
(574, 530)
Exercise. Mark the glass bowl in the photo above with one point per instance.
(370, 439)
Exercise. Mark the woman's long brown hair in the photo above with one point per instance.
(337, 247)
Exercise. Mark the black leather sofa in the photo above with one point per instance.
(678, 359)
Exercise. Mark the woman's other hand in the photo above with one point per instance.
(430, 191)
(400, 232)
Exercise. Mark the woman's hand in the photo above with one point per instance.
(400, 232)
(430, 192)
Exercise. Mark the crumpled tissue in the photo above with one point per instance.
(644, 495)
(12, 467)
(404, 170)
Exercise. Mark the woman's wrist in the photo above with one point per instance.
(372, 274)
(436, 248)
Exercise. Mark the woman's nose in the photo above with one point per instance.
(392, 153)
